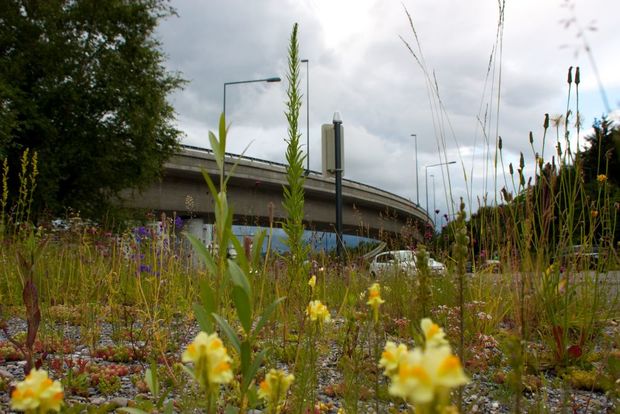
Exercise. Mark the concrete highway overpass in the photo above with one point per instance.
(257, 184)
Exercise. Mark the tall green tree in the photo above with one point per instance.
(602, 156)
(82, 82)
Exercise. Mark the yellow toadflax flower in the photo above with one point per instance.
(601, 178)
(433, 334)
(210, 358)
(421, 374)
(274, 387)
(312, 282)
(317, 311)
(374, 299)
(391, 357)
(37, 392)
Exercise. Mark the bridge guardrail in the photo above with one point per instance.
(279, 164)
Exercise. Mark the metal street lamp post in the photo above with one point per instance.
(426, 177)
(434, 207)
(307, 115)
(417, 187)
(339, 245)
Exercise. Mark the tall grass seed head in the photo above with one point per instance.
(37, 392)
(210, 358)
(274, 387)
(317, 311)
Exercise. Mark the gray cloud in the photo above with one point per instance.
(360, 67)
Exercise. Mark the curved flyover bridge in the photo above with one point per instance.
(255, 192)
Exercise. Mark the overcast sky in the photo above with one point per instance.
(360, 67)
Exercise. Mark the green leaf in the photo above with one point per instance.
(202, 316)
(249, 375)
(231, 410)
(239, 278)
(210, 184)
(215, 146)
(168, 409)
(241, 259)
(223, 130)
(244, 309)
(246, 354)
(203, 252)
(229, 332)
(267, 314)
(150, 377)
(257, 248)
(132, 410)
(232, 169)
(207, 296)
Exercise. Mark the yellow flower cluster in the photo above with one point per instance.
(210, 358)
(274, 387)
(422, 375)
(312, 282)
(601, 178)
(37, 392)
(318, 312)
(374, 299)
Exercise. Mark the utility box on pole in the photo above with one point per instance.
(328, 149)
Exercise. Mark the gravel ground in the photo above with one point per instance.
(482, 395)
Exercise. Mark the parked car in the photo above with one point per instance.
(579, 257)
(401, 261)
(393, 261)
(436, 267)
(490, 266)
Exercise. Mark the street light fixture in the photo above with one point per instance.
(307, 115)
(269, 80)
(417, 187)
(426, 177)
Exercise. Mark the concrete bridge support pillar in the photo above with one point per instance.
(199, 229)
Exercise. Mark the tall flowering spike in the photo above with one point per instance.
(37, 392)
(434, 335)
(374, 299)
(577, 76)
(317, 312)
(211, 360)
(391, 357)
(274, 387)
